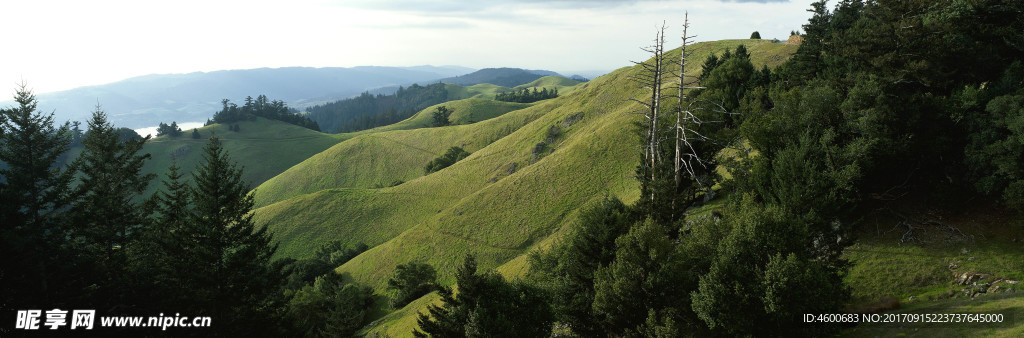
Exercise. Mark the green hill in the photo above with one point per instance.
(509, 196)
(382, 156)
(564, 85)
(265, 148)
(488, 91)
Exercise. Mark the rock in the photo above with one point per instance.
(962, 280)
(970, 258)
(954, 266)
(964, 251)
(572, 119)
(911, 299)
(967, 278)
(511, 168)
(994, 289)
(1012, 282)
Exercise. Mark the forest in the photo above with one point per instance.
(259, 107)
(367, 111)
(884, 104)
(527, 96)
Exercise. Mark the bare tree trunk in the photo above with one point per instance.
(659, 66)
(653, 77)
(679, 112)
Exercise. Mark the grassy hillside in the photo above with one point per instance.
(383, 157)
(488, 91)
(564, 85)
(502, 221)
(508, 197)
(265, 148)
(483, 90)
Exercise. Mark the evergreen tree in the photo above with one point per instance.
(105, 213)
(329, 307)
(441, 115)
(755, 35)
(568, 269)
(34, 194)
(164, 243)
(195, 134)
(645, 276)
(486, 306)
(410, 281)
(229, 274)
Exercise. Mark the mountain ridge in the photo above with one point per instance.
(144, 101)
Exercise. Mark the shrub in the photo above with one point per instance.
(454, 154)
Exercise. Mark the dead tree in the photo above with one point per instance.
(694, 119)
(652, 77)
(683, 146)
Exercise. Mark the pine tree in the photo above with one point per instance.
(231, 275)
(486, 306)
(106, 217)
(158, 257)
(33, 197)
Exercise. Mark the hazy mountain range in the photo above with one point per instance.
(146, 100)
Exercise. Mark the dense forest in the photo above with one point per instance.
(259, 107)
(368, 111)
(80, 235)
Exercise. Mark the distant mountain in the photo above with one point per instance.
(506, 77)
(579, 78)
(147, 100)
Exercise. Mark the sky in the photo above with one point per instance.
(59, 45)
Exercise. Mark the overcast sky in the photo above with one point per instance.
(57, 45)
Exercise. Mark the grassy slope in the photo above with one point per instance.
(382, 157)
(265, 148)
(564, 85)
(927, 271)
(476, 206)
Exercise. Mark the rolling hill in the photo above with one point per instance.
(603, 103)
(267, 148)
(530, 170)
(264, 148)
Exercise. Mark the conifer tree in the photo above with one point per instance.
(33, 196)
(105, 215)
(158, 257)
(231, 275)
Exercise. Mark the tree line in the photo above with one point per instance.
(81, 235)
(368, 111)
(526, 95)
(260, 107)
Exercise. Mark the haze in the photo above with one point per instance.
(58, 45)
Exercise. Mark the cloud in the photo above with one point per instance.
(450, 7)
(428, 24)
(756, 1)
